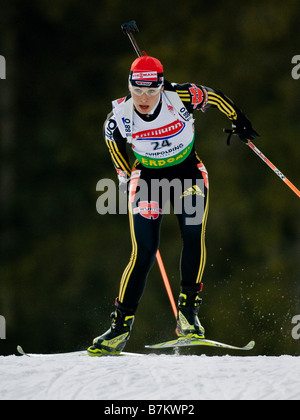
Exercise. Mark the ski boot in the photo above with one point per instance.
(188, 323)
(113, 341)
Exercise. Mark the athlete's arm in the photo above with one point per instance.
(197, 97)
(117, 148)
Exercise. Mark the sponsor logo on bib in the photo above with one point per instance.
(162, 133)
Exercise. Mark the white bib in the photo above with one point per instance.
(165, 141)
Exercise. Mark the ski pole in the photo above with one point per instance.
(166, 282)
(273, 167)
(129, 29)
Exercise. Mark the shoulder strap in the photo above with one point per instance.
(128, 119)
(176, 102)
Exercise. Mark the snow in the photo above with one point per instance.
(150, 377)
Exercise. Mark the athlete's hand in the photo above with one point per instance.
(123, 187)
(245, 131)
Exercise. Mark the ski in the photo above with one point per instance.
(193, 341)
(179, 342)
(79, 353)
(73, 353)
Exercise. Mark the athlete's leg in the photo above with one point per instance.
(145, 218)
(192, 221)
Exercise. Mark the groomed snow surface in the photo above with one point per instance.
(150, 377)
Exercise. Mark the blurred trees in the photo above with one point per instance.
(61, 262)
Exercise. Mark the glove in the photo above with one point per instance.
(123, 182)
(244, 130)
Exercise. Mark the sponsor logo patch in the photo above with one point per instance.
(197, 95)
(162, 133)
(194, 190)
(145, 75)
(148, 210)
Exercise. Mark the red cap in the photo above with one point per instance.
(146, 71)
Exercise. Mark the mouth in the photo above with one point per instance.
(144, 107)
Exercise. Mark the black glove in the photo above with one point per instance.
(244, 130)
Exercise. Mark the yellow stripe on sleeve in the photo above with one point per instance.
(118, 159)
(222, 105)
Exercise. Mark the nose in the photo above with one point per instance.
(144, 97)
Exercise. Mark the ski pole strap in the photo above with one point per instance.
(230, 132)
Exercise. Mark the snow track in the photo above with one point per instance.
(151, 377)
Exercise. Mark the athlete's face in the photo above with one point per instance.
(146, 99)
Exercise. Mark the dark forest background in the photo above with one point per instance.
(61, 262)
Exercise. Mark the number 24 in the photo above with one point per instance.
(160, 145)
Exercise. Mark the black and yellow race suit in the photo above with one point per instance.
(146, 212)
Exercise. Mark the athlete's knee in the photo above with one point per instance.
(147, 251)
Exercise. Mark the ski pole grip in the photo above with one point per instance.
(130, 27)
